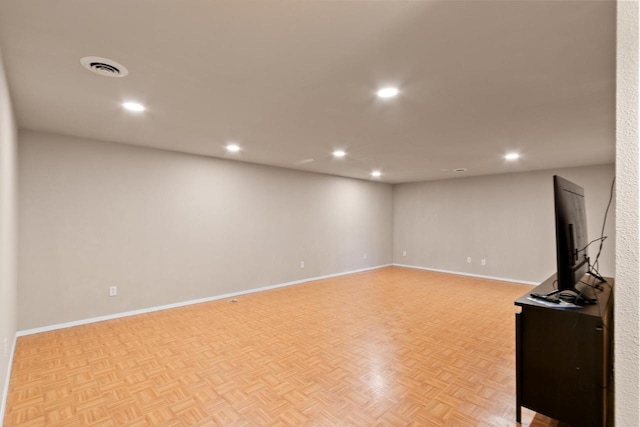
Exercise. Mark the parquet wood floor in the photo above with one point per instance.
(393, 346)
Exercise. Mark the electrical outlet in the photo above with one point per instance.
(483, 262)
(469, 259)
(404, 253)
(113, 291)
(364, 256)
(301, 264)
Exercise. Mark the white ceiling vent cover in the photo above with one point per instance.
(103, 66)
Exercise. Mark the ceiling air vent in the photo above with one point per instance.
(103, 66)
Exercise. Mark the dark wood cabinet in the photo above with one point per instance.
(564, 358)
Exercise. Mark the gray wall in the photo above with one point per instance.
(8, 281)
(167, 227)
(508, 220)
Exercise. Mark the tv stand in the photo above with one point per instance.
(563, 357)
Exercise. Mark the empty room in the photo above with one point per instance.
(319, 213)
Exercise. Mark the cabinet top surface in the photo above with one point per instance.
(598, 310)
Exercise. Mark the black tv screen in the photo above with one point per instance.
(571, 233)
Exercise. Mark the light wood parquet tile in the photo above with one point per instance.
(393, 346)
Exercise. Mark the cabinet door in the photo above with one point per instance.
(562, 365)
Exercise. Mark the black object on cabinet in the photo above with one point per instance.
(563, 357)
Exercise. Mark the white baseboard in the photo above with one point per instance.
(502, 279)
(5, 393)
(183, 303)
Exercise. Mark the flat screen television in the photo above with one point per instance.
(571, 233)
(572, 245)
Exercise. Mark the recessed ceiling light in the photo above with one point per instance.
(233, 148)
(387, 92)
(339, 153)
(512, 156)
(376, 174)
(133, 106)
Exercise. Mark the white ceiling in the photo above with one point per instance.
(292, 80)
